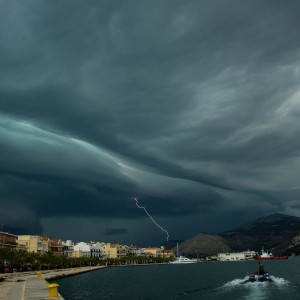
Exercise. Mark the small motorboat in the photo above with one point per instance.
(259, 276)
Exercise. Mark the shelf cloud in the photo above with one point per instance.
(193, 107)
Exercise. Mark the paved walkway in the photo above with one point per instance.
(27, 286)
(24, 288)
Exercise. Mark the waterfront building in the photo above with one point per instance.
(96, 249)
(134, 251)
(56, 247)
(68, 248)
(8, 241)
(114, 250)
(231, 256)
(211, 258)
(250, 254)
(122, 250)
(153, 252)
(34, 243)
(109, 252)
(21, 247)
(167, 253)
(245, 255)
(91, 249)
(82, 249)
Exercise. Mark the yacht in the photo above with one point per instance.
(182, 259)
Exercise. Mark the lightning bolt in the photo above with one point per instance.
(142, 207)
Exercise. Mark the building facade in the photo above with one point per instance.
(68, 248)
(96, 249)
(8, 241)
(109, 251)
(114, 250)
(34, 243)
(231, 256)
(153, 252)
(56, 247)
(91, 249)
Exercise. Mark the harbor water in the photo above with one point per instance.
(208, 280)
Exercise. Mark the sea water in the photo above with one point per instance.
(208, 280)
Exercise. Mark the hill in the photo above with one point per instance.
(277, 232)
(203, 244)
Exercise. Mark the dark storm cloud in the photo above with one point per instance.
(18, 219)
(115, 231)
(191, 106)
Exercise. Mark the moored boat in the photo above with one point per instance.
(269, 256)
(183, 260)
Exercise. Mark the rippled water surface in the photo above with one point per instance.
(193, 281)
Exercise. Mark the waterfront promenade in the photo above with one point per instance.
(28, 286)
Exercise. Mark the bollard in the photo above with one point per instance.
(39, 274)
(53, 290)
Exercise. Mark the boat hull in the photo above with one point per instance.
(180, 262)
(259, 278)
(183, 260)
(271, 258)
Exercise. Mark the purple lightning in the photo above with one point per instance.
(162, 229)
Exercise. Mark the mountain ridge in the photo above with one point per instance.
(277, 232)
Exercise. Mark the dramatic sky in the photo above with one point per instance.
(191, 106)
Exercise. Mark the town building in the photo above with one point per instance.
(250, 254)
(8, 241)
(122, 250)
(96, 249)
(246, 255)
(56, 247)
(34, 243)
(82, 249)
(167, 253)
(135, 251)
(153, 252)
(68, 248)
(231, 256)
(109, 252)
(91, 249)
(115, 250)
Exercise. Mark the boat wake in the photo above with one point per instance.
(239, 288)
(234, 283)
(254, 290)
(277, 281)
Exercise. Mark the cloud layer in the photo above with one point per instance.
(191, 106)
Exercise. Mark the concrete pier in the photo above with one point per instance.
(27, 285)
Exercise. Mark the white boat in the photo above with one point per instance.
(183, 260)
